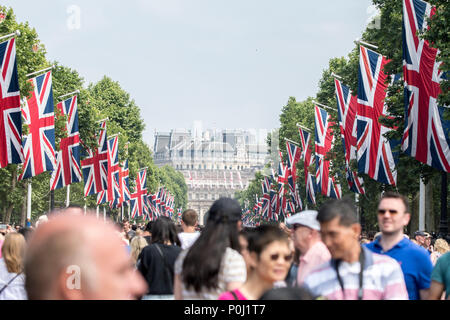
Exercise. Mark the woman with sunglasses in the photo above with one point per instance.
(270, 260)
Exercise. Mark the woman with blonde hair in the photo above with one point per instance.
(12, 279)
(440, 247)
(137, 244)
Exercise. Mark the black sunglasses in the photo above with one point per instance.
(275, 256)
(382, 212)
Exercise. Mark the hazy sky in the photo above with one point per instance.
(230, 64)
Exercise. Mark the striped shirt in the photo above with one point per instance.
(382, 279)
(232, 269)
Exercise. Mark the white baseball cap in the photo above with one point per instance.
(307, 218)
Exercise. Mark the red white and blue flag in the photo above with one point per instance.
(68, 168)
(374, 151)
(294, 155)
(124, 192)
(426, 133)
(95, 165)
(308, 160)
(347, 105)
(265, 197)
(326, 184)
(38, 113)
(11, 150)
(138, 198)
(113, 191)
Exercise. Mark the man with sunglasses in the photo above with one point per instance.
(393, 216)
(354, 272)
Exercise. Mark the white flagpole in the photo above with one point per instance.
(104, 214)
(129, 202)
(422, 205)
(29, 201)
(17, 33)
(43, 70)
(68, 196)
(68, 94)
(85, 208)
(97, 212)
(121, 209)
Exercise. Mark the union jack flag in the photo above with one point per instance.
(138, 199)
(68, 169)
(95, 166)
(426, 133)
(155, 202)
(11, 150)
(38, 113)
(124, 186)
(282, 180)
(294, 155)
(347, 105)
(308, 159)
(375, 156)
(265, 197)
(113, 191)
(324, 142)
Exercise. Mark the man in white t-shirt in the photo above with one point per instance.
(189, 221)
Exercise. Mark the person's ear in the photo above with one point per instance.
(69, 284)
(407, 218)
(239, 225)
(253, 259)
(356, 228)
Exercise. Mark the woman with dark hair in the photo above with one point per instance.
(156, 261)
(270, 258)
(213, 264)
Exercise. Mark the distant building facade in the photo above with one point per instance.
(215, 163)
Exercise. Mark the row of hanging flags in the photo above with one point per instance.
(36, 152)
(425, 134)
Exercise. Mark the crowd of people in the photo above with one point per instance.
(313, 255)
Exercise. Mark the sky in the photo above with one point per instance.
(229, 64)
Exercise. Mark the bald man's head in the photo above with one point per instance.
(79, 257)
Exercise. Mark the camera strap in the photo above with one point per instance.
(339, 278)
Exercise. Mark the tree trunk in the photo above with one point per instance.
(10, 208)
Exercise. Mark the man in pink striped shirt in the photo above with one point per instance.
(306, 237)
(354, 272)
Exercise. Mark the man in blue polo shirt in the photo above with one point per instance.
(393, 216)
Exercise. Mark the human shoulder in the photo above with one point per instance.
(231, 254)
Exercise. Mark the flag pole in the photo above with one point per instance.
(68, 196)
(296, 143)
(69, 94)
(17, 33)
(114, 135)
(104, 214)
(334, 75)
(103, 120)
(359, 41)
(29, 200)
(324, 106)
(96, 212)
(43, 70)
(85, 207)
(421, 204)
(303, 127)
